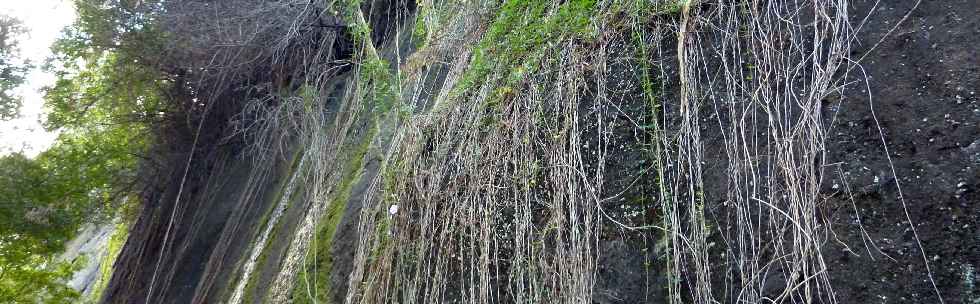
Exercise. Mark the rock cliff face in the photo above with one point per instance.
(90, 248)
(579, 152)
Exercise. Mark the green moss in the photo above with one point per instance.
(519, 38)
(391, 176)
(260, 263)
(309, 95)
(296, 196)
(379, 88)
(670, 7)
(319, 263)
(652, 92)
(379, 84)
(282, 176)
(280, 185)
(116, 242)
(383, 238)
(349, 9)
(420, 34)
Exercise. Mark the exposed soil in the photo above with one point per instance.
(923, 79)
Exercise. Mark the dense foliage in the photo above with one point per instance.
(34, 224)
(12, 69)
(106, 98)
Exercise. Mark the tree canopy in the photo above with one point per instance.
(107, 95)
(12, 67)
(33, 228)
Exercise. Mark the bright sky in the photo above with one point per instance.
(44, 20)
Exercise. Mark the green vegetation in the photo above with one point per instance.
(378, 89)
(313, 281)
(420, 34)
(103, 104)
(12, 69)
(295, 200)
(116, 242)
(106, 97)
(377, 77)
(108, 75)
(503, 196)
(85, 176)
(519, 37)
(34, 225)
(287, 192)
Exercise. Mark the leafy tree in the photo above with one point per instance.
(33, 227)
(108, 69)
(11, 68)
(35, 278)
(105, 101)
(107, 96)
(85, 176)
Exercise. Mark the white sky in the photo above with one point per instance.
(44, 20)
